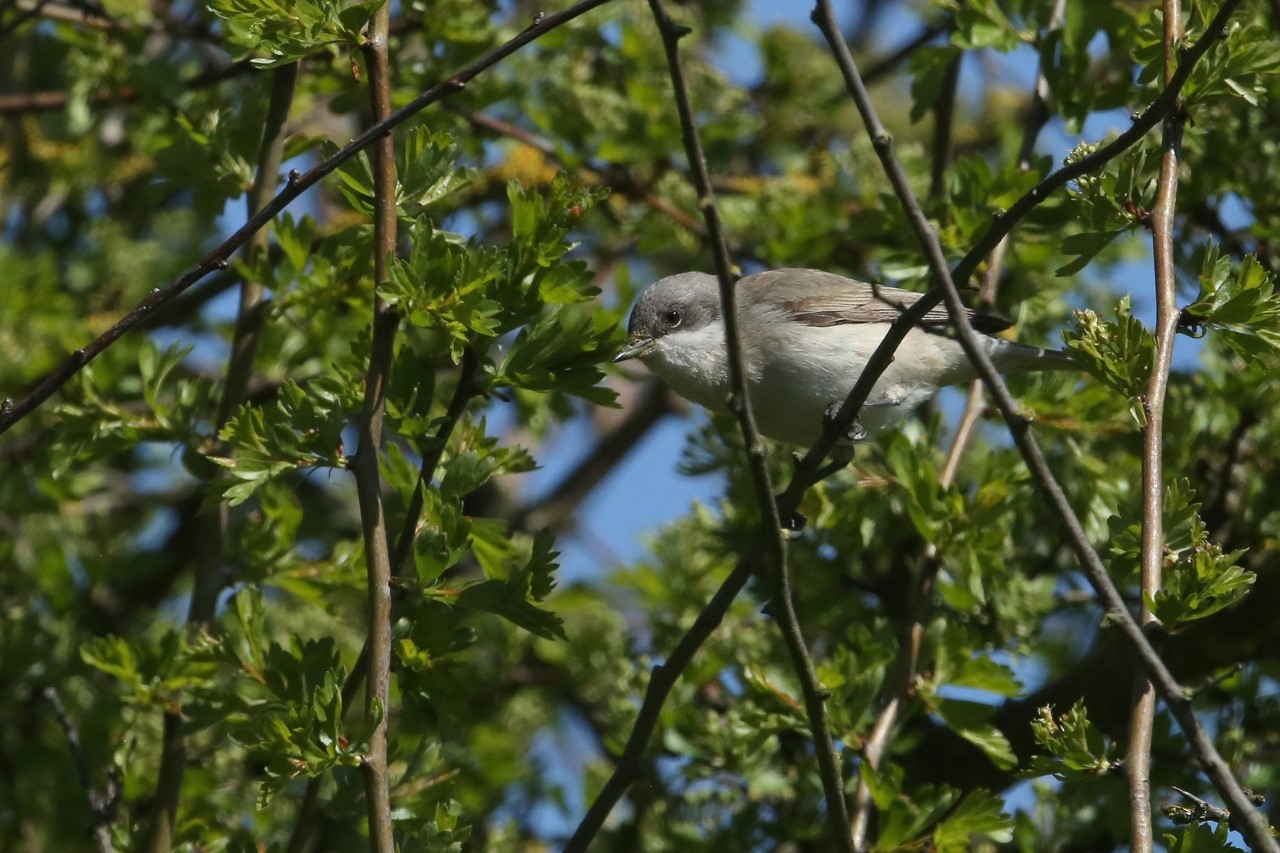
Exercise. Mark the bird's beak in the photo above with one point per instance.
(637, 347)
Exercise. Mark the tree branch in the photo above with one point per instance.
(13, 411)
(661, 680)
(740, 403)
(365, 465)
(463, 393)
(618, 177)
(1151, 560)
(944, 113)
(36, 102)
(1255, 827)
(771, 526)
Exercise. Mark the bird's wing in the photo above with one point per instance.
(818, 298)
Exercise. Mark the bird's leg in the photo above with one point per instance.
(891, 397)
(856, 432)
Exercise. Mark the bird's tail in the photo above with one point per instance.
(1010, 357)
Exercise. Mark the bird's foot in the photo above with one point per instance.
(855, 431)
(891, 397)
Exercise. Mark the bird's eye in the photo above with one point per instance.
(672, 317)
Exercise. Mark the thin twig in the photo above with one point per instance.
(661, 680)
(211, 528)
(739, 402)
(882, 66)
(13, 411)
(1142, 714)
(773, 542)
(365, 465)
(103, 805)
(911, 638)
(1255, 828)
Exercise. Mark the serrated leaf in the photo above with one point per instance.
(978, 814)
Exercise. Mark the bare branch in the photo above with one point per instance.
(13, 411)
(1151, 560)
(365, 465)
(661, 680)
(463, 393)
(739, 402)
(36, 102)
(944, 113)
(616, 177)
(771, 525)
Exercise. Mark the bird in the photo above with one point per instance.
(806, 336)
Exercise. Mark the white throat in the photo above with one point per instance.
(693, 363)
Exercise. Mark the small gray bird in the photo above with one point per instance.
(806, 336)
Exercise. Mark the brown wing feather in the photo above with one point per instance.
(819, 298)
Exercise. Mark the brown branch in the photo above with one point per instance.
(740, 404)
(616, 177)
(13, 411)
(1255, 827)
(928, 33)
(1151, 559)
(944, 113)
(772, 541)
(463, 393)
(661, 680)
(365, 465)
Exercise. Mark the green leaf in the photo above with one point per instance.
(428, 172)
(929, 67)
(510, 601)
(1119, 352)
(303, 429)
(1240, 301)
(1198, 578)
(1075, 747)
(1200, 838)
(1086, 245)
(290, 31)
(978, 815)
(969, 720)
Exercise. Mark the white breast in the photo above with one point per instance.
(792, 387)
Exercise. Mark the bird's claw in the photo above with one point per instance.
(830, 418)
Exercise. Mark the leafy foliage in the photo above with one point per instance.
(531, 207)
